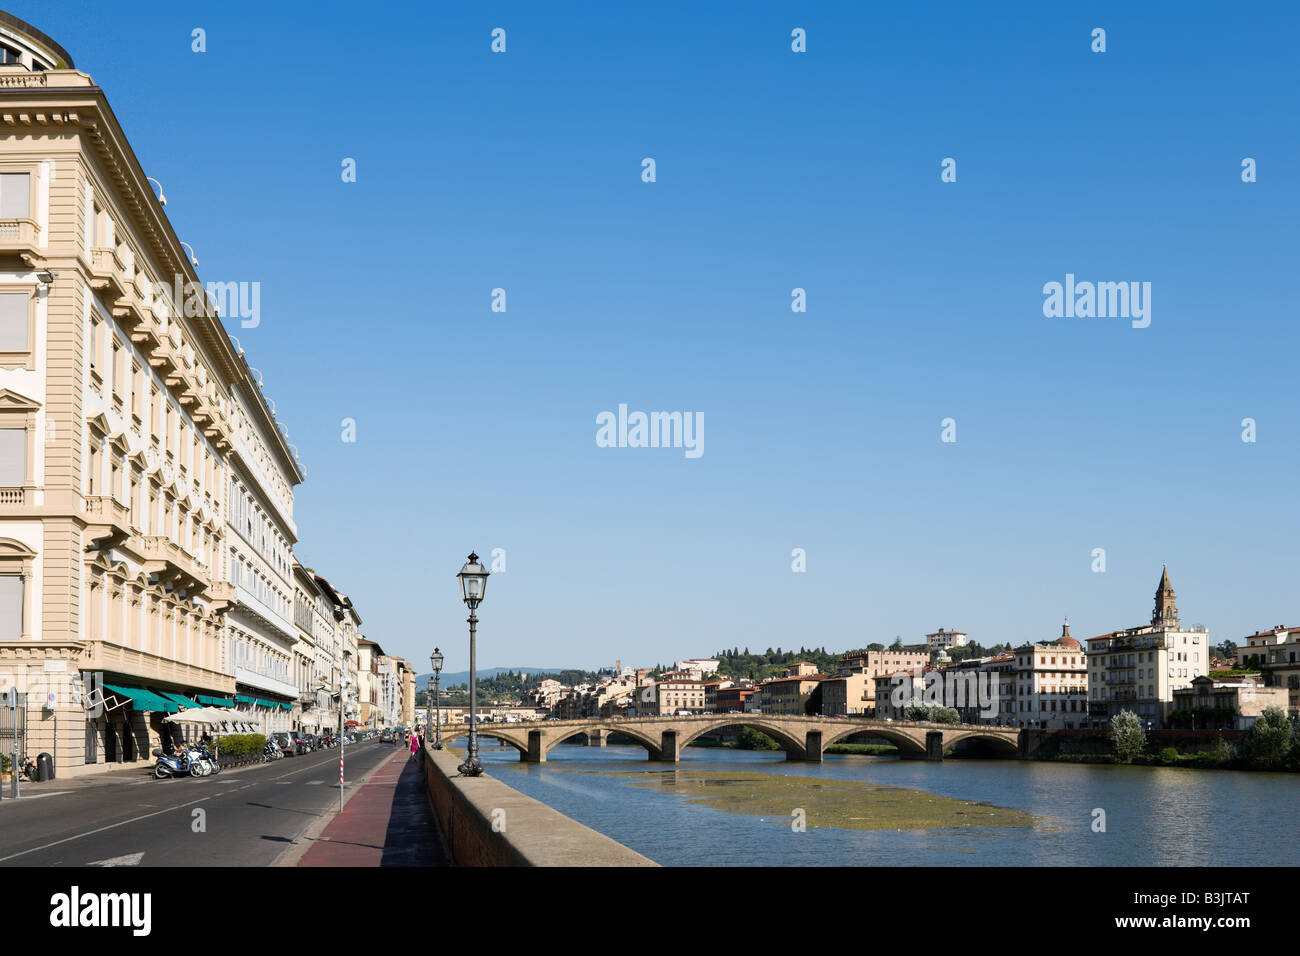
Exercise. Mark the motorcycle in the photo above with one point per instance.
(210, 761)
(271, 751)
(179, 765)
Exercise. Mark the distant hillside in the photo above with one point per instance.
(462, 677)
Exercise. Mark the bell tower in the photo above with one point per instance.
(1166, 611)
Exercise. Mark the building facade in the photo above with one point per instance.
(1139, 669)
(146, 489)
(1051, 684)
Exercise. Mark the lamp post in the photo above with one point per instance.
(436, 659)
(473, 582)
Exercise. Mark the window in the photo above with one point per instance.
(94, 347)
(15, 195)
(15, 331)
(11, 607)
(13, 457)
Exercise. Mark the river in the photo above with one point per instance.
(1154, 816)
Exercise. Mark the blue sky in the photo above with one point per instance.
(775, 170)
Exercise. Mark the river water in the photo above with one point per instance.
(1154, 816)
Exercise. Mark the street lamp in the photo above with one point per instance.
(473, 582)
(435, 659)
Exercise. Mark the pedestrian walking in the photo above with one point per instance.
(415, 747)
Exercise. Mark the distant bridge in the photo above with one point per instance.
(802, 738)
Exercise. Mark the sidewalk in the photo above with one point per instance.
(386, 822)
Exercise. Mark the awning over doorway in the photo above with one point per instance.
(215, 701)
(181, 701)
(142, 699)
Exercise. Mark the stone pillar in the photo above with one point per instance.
(1029, 741)
(934, 745)
(595, 738)
(536, 748)
(813, 746)
(669, 751)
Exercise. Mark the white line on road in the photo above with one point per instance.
(37, 796)
(131, 859)
(146, 816)
(314, 783)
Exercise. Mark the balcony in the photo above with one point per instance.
(21, 236)
(108, 521)
(13, 497)
(106, 273)
(130, 310)
(172, 565)
(220, 594)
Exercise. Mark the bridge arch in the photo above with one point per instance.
(605, 727)
(905, 741)
(463, 732)
(998, 742)
(787, 741)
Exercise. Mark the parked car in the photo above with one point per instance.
(386, 737)
(288, 746)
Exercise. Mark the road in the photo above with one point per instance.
(245, 817)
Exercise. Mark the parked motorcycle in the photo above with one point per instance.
(209, 760)
(271, 751)
(179, 764)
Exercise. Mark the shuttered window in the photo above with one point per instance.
(13, 457)
(15, 196)
(11, 607)
(13, 322)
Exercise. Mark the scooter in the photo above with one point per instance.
(209, 760)
(271, 751)
(178, 765)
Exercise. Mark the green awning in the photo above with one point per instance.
(286, 706)
(245, 700)
(142, 699)
(210, 701)
(181, 701)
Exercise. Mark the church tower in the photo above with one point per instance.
(1166, 612)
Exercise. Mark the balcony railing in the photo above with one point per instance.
(19, 235)
(170, 562)
(13, 496)
(107, 517)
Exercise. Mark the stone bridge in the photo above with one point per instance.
(802, 738)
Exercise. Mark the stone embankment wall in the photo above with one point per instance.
(486, 823)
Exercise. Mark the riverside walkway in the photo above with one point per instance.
(386, 822)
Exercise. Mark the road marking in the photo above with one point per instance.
(131, 859)
(314, 783)
(37, 796)
(111, 826)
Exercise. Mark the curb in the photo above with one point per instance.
(305, 840)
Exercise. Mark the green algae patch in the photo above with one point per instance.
(826, 803)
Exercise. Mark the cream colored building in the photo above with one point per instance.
(115, 407)
(146, 489)
(1051, 684)
(1276, 653)
(260, 630)
(1139, 669)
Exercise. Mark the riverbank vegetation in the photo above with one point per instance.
(1272, 743)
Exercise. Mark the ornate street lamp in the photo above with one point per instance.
(473, 582)
(436, 660)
